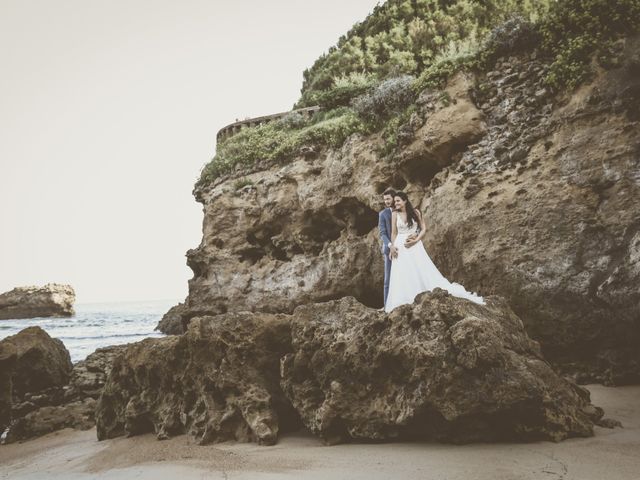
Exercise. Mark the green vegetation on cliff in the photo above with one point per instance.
(368, 81)
(408, 37)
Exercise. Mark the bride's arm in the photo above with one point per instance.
(394, 228)
(393, 252)
(413, 239)
(423, 227)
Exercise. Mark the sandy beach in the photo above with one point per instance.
(78, 455)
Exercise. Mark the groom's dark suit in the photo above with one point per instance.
(384, 225)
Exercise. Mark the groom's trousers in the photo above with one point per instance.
(387, 273)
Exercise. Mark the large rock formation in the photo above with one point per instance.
(51, 300)
(442, 368)
(218, 381)
(527, 194)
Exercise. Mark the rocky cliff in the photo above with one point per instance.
(527, 194)
(50, 300)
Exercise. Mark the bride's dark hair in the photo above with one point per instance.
(411, 212)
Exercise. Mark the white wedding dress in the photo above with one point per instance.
(413, 272)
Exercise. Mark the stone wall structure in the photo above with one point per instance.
(230, 130)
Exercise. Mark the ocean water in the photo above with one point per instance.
(97, 325)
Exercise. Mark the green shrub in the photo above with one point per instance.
(272, 142)
(389, 98)
(409, 36)
(397, 131)
(515, 35)
(241, 183)
(576, 29)
(342, 90)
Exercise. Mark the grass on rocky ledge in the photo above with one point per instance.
(279, 140)
(567, 37)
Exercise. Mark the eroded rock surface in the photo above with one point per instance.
(543, 211)
(89, 375)
(41, 362)
(443, 368)
(171, 322)
(78, 414)
(41, 391)
(307, 231)
(7, 363)
(218, 381)
(51, 300)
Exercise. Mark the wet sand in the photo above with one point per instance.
(77, 455)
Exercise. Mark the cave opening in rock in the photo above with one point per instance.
(372, 297)
(251, 255)
(368, 295)
(397, 182)
(356, 215)
(320, 227)
(263, 244)
(194, 262)
(422, 170)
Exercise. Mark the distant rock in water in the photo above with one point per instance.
(171, 323)
(51, 300)
(443, 368)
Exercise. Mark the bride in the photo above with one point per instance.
(412, 271)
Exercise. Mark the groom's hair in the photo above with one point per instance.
(389, 191)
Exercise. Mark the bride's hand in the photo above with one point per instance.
(411, 241)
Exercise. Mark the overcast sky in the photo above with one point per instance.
(108, 111)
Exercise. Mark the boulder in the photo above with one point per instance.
(7, 364)
(171, 322)
(40, 391)
(442, 369)
(219, 381)
(41, 362)
(51, 300)
(89, 375)
(78, 415)
(527, 193)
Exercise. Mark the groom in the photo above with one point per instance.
(384, 225)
